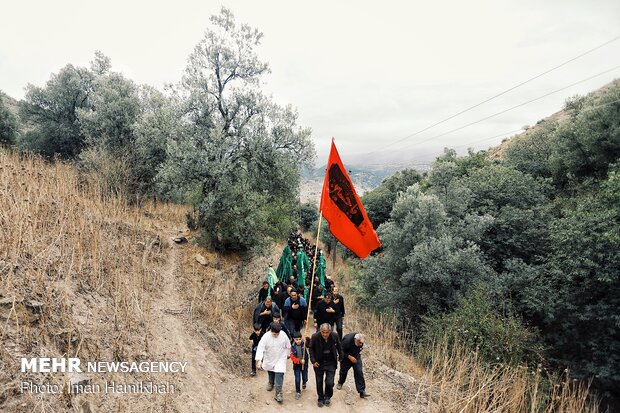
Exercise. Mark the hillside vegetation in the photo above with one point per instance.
(515, 257)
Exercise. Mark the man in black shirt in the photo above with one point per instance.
(325, 311)
(351, 347)
(325, 351)
(263, 313)
(338, 301)
(263, 292)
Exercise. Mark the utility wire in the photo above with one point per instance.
(507, 133)
(488, 139)
(502, 93)
(511, 108)
(511, 132)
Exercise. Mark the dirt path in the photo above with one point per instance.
(345, 400)
(208, 387)
(172, 341)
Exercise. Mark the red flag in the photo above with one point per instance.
(343, 209)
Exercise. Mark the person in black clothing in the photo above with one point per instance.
(339, 303)
(325, 312)
(263, 292)
(317, 295)
(280, 294)
(329, 284)
(351, 347)
(263, 313)
(254, 339)
(325, 351)
(277, 318)
(295, 311)
(292, 282)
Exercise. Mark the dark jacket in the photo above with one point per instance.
(348, 346)
(295, 314)
(317, 296)
(317, 345)
(299, 350)
(264, 320)
(339, 305)
(322, 316)
(280, 295)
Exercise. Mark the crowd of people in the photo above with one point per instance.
(287, 300)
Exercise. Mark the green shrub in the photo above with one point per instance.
(308, 215)
(477, 326)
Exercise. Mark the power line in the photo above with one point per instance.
(502, 93)
(511, 108)
(488, 139)
(512, 131)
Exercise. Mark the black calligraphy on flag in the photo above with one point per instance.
(341, 193)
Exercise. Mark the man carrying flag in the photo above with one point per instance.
(350, 225)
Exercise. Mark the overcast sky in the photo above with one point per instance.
(368, 73)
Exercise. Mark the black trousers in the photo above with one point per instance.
(328, 391)
(358, 373)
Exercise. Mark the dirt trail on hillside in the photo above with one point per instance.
(172, 341)
(208, 387)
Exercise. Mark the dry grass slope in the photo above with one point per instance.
(78, 273)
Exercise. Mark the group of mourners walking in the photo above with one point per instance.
(280, 324)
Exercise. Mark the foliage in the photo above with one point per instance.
(531, 154)
(378, 202)
(242, 150)
(426, 267)
(476, 325)
(8, 125)
(590, 141)
(583, 315)
(53, 110)
(114, 109)
(540, 232)
(126, 125)
(308, 215)
(517, 201)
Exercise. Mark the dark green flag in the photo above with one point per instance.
(303, 266)
(285, 267)
(320, 269)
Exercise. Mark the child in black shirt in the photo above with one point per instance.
(254, 339)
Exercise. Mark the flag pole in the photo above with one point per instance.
(316, 248)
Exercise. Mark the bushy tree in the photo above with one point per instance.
(378, 202)
(308, 215)
(235, 152)
(53, 112)
(425, 268)
(114, 109)
(583, 310)
(518, 204)
(8, 124)
(109, 153)
(590, 141)
(531, 153)
(157, 123)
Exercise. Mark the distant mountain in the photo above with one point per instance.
(364, 180)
